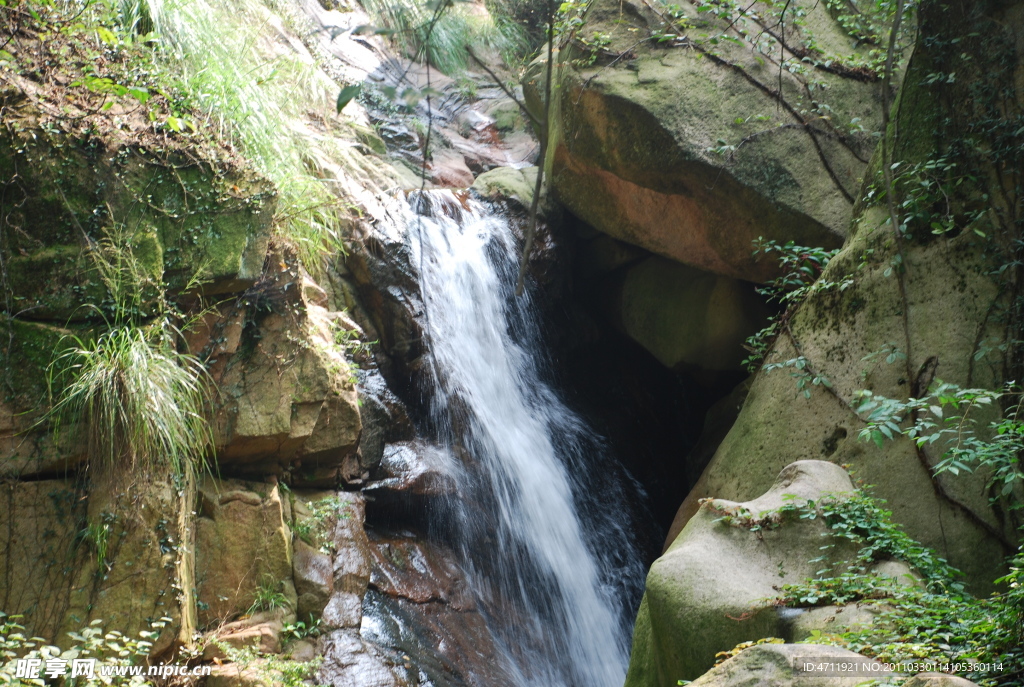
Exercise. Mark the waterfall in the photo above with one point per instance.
(540, 517)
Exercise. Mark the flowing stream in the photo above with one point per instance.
(541, 516)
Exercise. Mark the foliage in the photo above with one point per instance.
(97, 534)
(801, 267)
(936, 621)
(261, 99)
(805, 378)
(271, 669)
(111, 648)
(268, 596)
(303, 630)
(316, 529)
(947, 418)
(456, 28)
(140, 403)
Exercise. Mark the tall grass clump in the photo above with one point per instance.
(456, 28)
(137, 403)
(261, 97)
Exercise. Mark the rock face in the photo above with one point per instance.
(938, 310)
(287, 396)
(778, 665)
(244, 544)
(69, 191)
(712, 589)
(683, 148)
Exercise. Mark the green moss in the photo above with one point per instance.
(187, 220)
(26, 360)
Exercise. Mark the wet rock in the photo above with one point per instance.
(352, 552)
(351, 662)
(408, 567)
(420, 608)
(344, 610)
(382, 270)
(312, 573)
(384, 418)
(449, 648)
(416, 468)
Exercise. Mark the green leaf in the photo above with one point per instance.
(346, 95)
(107, 36)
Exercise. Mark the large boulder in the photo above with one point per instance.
(685, 317)
(682, 147)
(713, 588)
(932, 306)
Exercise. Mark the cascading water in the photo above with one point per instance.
(558, 591)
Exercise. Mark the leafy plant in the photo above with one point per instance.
(938, 622)
(316, 528)
(268, 596)
(805, 378)
(97, 534)
(112, 649)
(303, 630)
(801, 268)
(946, 418)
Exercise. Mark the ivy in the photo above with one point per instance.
(947, 417)
(801, 268)
(936, 620)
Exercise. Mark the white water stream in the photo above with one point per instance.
(550, 583)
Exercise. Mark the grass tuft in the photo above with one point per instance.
(457, 28)
(269, 101)
(140, 403)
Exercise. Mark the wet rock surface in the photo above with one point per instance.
(419, 604)
(414, 468)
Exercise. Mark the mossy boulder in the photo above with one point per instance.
(507, 182)
(188, 215)
(934, 307)
(686, 149)
(685, 317)
(713, 588)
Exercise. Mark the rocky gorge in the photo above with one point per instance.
(274, 405)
